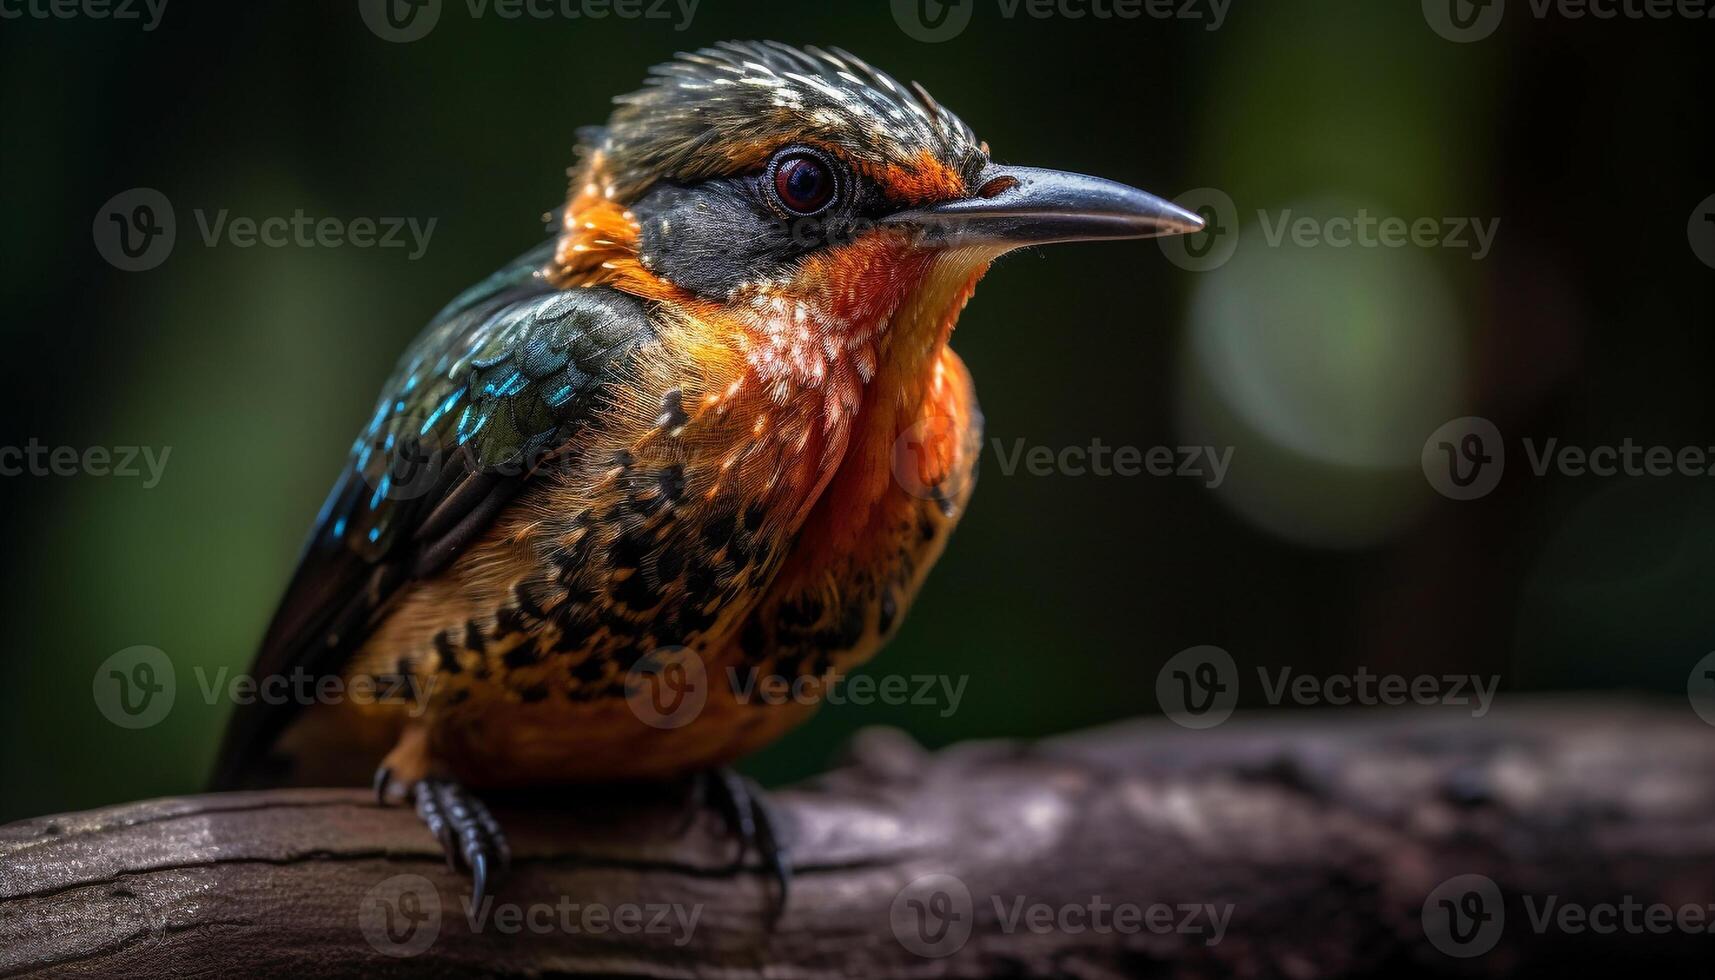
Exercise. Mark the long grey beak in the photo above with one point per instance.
(1032, 206)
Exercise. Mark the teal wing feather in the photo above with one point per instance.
(500, 381)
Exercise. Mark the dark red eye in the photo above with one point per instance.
(803, 182)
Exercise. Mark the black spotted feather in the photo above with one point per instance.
(500, 382)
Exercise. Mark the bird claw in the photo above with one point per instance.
(470, 836)
(751, 818)
(383, 783)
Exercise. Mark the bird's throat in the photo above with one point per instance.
(839, 359)
(909, 413)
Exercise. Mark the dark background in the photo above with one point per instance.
(1061, 596)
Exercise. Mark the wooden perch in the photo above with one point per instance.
(1320, 837)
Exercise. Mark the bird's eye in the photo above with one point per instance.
(803, 181)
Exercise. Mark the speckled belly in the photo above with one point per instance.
(564, 646)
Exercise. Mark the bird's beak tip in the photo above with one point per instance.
(1186, 222)
(1039, 207)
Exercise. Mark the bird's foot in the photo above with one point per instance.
(470, 837)
(751, 818)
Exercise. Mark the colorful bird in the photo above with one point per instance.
(714, 422)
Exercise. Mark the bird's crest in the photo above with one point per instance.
(723, 109)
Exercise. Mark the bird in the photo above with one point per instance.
(713, 421)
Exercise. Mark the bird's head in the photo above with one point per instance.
(816, 199)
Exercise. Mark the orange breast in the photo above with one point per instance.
(766, 516)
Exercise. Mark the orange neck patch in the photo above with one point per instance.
(856, 323)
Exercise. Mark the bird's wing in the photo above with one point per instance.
(507, 374)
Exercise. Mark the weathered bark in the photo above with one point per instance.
(1323, 834)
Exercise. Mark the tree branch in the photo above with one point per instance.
(1301, 845)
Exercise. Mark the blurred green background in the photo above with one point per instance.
(1060, 596)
